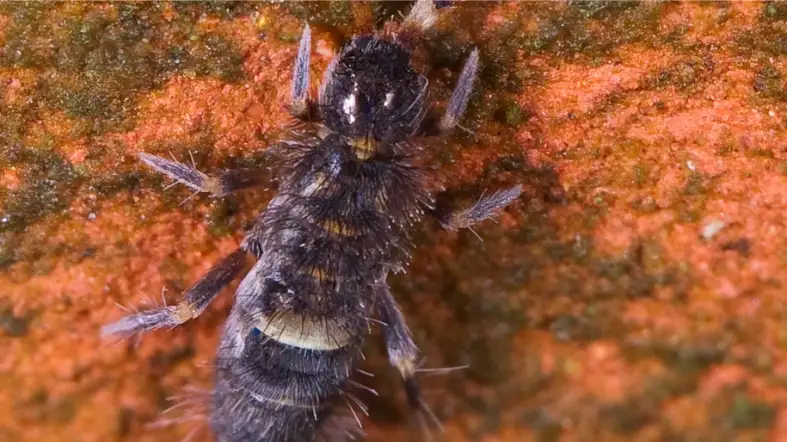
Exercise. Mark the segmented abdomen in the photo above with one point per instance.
(301, 313)
(270, 391)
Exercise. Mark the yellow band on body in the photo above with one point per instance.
(304, 331)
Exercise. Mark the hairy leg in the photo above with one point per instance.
(457, 105)
(486, 207)
(461, 95)
(301, 106)
(402, 351)
(403, 354)
(220, 185)
(195, 300)
(422, 16)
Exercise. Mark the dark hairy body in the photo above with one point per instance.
(350, 187)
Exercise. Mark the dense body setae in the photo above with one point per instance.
(349, 189)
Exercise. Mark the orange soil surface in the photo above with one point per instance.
(635, 292)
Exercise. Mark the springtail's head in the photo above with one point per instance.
(371, 93)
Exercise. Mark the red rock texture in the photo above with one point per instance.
(634, 293)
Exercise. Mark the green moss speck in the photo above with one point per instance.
(586, 28)
(22, 46)
(163, 361)
(628, 278)
(764, 37)
(566, 327)
(485, 359)
(446, 51)
(498, 70)
(111, 183)
(690, 203)
(512, 114)
(684, 74)
(125, 421)
(690, 357)
(337, 15)
(641, 174)
(224, 10)
(49, 185)
(768, 83)
(41, 407)
(214, 56)
(387, 10)
(600, 8)
(546, 426)
(221, 217)
(774, 11)
(93, 65)
(14, 326)
(630, 416)
(747, 413)
(761, 153)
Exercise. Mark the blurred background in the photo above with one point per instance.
(634, 292)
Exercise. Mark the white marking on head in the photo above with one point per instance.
(388, 100)
(349, 106)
